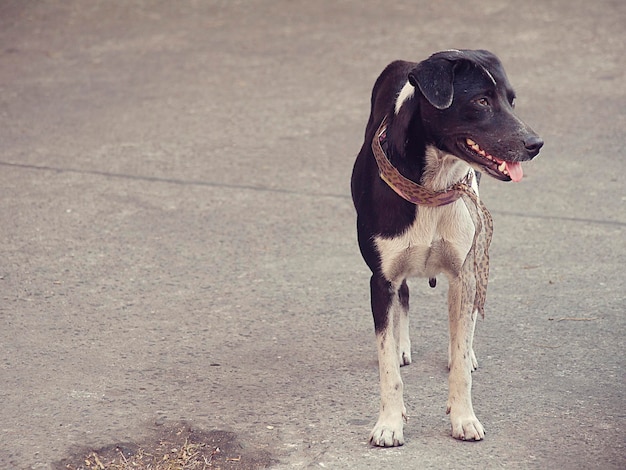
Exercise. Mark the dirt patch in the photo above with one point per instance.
(172, 447)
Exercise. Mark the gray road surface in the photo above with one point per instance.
(177, 239)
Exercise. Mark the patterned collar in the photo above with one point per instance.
(408, 189)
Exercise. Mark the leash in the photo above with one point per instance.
(475, 270)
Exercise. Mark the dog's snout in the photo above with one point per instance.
(533, 144)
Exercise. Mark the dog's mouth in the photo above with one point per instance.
(500, 169)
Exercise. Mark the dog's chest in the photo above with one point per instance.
(437, 241)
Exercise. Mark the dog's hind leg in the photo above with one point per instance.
(389, 429)
(465, 425)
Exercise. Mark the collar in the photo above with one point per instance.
(408, 189)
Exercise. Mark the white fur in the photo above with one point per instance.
(406, 93)
(440, 237)
(388, 430)
(490, 76)
(438, 241)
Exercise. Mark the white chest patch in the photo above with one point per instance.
(439, 238)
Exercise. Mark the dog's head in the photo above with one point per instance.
(467, 110)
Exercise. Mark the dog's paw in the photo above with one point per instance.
(467, 427)
(387, 435)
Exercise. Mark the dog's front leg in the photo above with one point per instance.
(388, 430)
(472, 354)
(465, 425)
(401, 324)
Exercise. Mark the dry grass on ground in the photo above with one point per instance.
(173, 448)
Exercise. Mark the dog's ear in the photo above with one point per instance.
(434, 77)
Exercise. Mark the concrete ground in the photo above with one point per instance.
(177, 238)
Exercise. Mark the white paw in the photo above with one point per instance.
(387, 434)
(466, 427)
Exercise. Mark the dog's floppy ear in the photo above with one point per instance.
(434, 78)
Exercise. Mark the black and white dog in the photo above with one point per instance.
(443, 118)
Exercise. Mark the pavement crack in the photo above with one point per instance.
(177, 181)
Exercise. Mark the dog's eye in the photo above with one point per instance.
(512, 101)
(482, 102)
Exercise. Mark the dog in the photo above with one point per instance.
(434, 127)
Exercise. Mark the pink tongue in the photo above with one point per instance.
(515, 171)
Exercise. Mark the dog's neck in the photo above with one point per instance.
(444, 179)
(414, 158)
(443, 170)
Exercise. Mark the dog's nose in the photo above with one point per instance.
(533, 144)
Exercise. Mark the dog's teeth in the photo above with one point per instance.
(476, 148)
(502, 167)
